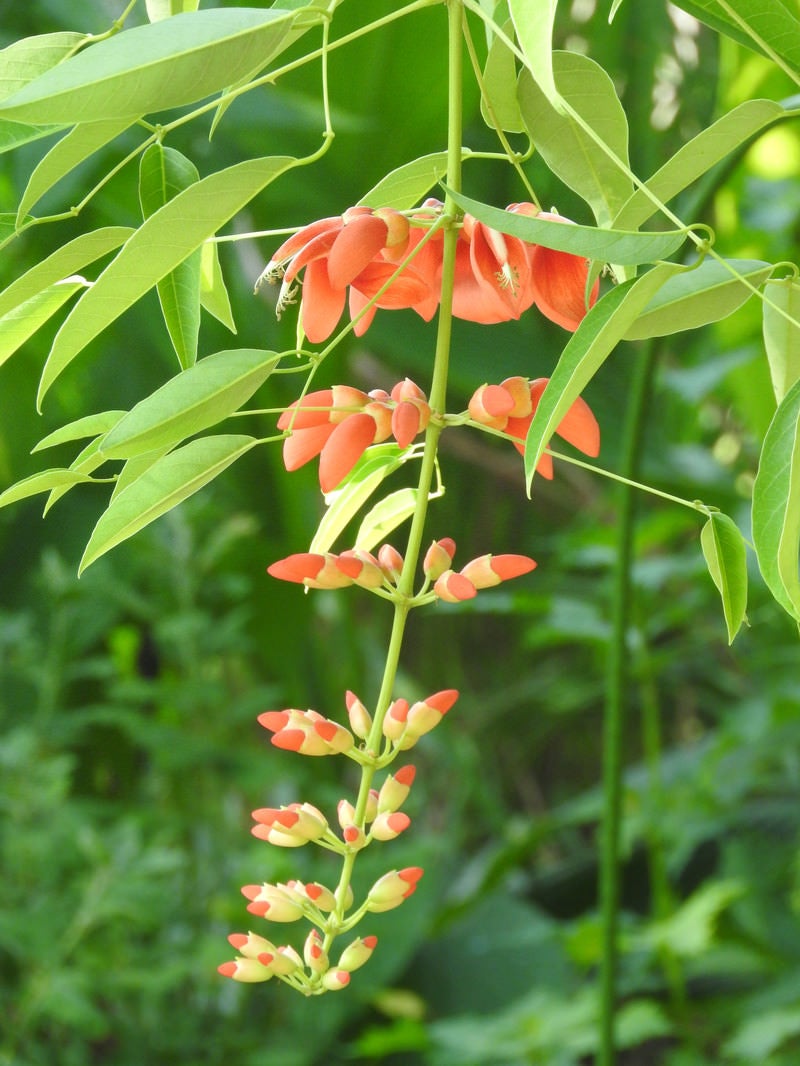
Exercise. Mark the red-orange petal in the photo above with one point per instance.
(310, 410)
(305, 444)
(508, 566)
(580, 429)
(297, 567)
(558, 281)
(406, 419)
(322, 302)
(344, 448)
(358, 242)
(274, 721)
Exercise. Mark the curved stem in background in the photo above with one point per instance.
(615, 699)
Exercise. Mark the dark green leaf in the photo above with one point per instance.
(726, 558)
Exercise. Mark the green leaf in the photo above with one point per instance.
(767, 26)
(86, 462)
(726, 558)
(44, 481)
(164, 9)
(605, 245)
(192, 401)
(346, 501)
(88, 426)
(533, 20)
(595, 338)
(134, 468)
(697, 157)
(404, 187)
(776, 504)
(565, 146)
(499, 104)
(22, 321)
(153, 68)
(386, 516)
(65, 155)
(168, 482)
(163, 173)
(782, 337)
(704, 294)
(13, 134)
(213, 293)
(690, 931)
(26, 59)
(156, 248)
(65, 261)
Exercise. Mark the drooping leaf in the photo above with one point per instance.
(386, 516)
(766, 27)
(347, 500)
(726, 558)
(88, 426)
(67, 260)
(163, 173)
(776, 504)
(499, 103)
(697, 157)
(44, 481)
(707, 293)
(153, 68)
(166, 483)
(782, 336)
(605, 245)
(566, 147)
(213, 293)
(406, 186)
(65, 155)
(26, 59)
(192, 401)
(14, 134)
(22, 321)
(533, 21)
(156, 248)
(596, 337)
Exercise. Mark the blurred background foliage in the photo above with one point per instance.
(129, 753)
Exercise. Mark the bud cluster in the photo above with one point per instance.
(510, 406)
(340, 423)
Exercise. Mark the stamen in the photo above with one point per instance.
(508, 278)
(272, 273)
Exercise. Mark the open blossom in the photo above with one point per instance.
(359, 250)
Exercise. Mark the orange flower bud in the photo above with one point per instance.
(491, 405)
(390, 890)
(278, 903)
(362, 568)
(335, 980)
(250, 971)
(344, 448)
(357, 953)
(389, 825)
(391, 561)
(316, 959)
(453, 588)
(360, 718)
(394, 723)
(346, 400)
(395, 789)
(518, 388)
(252, 945)
(489, 570)
(438, 558)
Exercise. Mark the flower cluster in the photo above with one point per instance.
(328, 570)
(340, 423)
(497, 276)
(511, 405)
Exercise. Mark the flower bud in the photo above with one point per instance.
(357, 953)
(394, 723)
(278, 903)
(335, 980)
(345, 401)
(316, 959)
(389, 825)
(250, 971)
(346, 813)
(360, 718)
(453, 588)
(252, 945)
(313, 409)
(286, 961)
(395, 789)
(426, 714)
(354, 837)
(362, 568)
(390, 890)
(371, 808)
(489, 570)
(391, 561)
(518, 388)
(491, 405)
(438, 558)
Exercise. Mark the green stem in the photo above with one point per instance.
(614, 716)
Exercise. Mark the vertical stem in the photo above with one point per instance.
(614, 715)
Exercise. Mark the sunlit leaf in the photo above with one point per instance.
(386, 516)
(163, 173)
(152, 68)
(192, 401)
(347, 500)
(605, 245)
(65, 155)
(86, 462)
(782, 336)
(702, 295)
(406, 186)
(726, 558)
(499, 104)
(776, 504)
(88, 426)
(26, 59)
(164, 9)
(68, 259)
(697, 157)
(44, 481)
(213, 292)
(168, 482)
(596, 337)
(160, 243)
(22, 321)
(533, 21)
(135, 467)
(14, 134)
(566, 147)
(767, 26)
